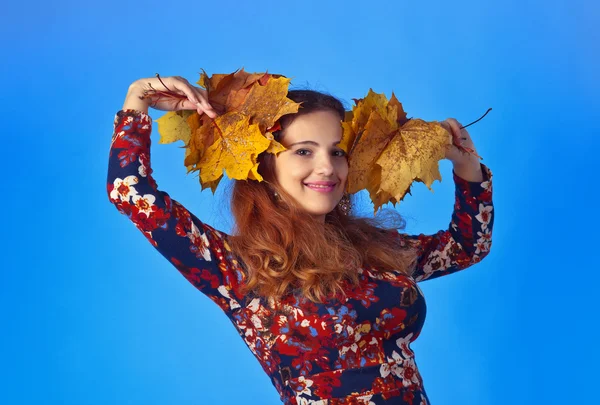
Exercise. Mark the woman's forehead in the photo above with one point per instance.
(322, 127)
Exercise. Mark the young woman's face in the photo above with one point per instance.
(313, 170)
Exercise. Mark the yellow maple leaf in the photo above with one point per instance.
(249, 106)
(233, 149)
(253, 174)
(266, 104)
(212, 185)
(388, 152)
(375, 137)
(378, 196)
(173, 126)
(400, 114)
(365, 106)
(275, 147)
(348, 135)
(202, 138)
(412, 155)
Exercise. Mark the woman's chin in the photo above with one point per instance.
(319, 211)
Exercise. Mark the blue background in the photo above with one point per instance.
(91, 314)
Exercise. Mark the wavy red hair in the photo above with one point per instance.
(284, 248)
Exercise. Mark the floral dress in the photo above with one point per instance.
(354, 350)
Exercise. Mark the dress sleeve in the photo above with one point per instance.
(198, 251)
(469, 237)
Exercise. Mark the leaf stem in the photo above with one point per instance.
(155, 95)
(161, 82)
(489, 109)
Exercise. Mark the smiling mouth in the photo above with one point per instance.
(321, 188)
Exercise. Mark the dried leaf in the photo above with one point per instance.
(412, 155)
(374, 139)
(173, 126)
(226, 92)
(212, 185)
(275, 147)
(400, 114)
(250, 105)
(234, 151)
(267, 103)
(388, 152)
(364, 108)
(348, 135)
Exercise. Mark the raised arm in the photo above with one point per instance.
(197, 250)
(467, 240)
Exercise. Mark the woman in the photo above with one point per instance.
(328, 303)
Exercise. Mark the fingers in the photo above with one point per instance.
(456, 130)
(203, 102)
(197, 96)
(454, 124)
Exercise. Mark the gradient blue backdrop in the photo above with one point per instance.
(91, 314)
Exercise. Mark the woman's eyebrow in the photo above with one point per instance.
(312, 143)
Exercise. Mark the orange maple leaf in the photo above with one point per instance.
(249, 104)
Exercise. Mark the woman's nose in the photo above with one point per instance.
(325, 166)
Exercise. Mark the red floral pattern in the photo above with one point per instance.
(352, 350)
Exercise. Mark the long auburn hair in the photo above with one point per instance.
(284, 249)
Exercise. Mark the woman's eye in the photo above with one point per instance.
(307, 152)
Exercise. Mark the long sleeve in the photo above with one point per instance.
(467, 240)
(197, 250)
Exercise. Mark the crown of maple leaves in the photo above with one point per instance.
(387, 152)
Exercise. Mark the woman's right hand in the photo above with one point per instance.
(173, 93)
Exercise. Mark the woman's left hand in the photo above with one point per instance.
(462, 151)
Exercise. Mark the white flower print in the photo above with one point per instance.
(482, 247)
(258, 313)
(200, 241)
(144, 203)
(233, 304)
(404, 344)
(306, 383)
(144, 165)
(484, 215)
(409, 373)
(440, 258)
(393, 366)
(142, 170)
(346, 349)
(365, 400)
(123, 189)
(484, 236)
(483, 242)
(403, 369)
(304, 401)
